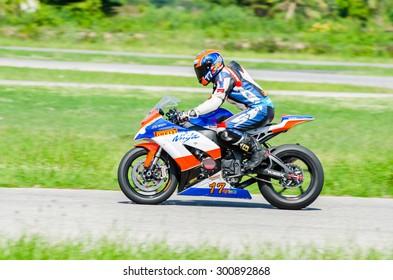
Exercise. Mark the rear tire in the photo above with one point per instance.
(294, 194)
(137, 187)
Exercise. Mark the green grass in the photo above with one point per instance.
(39, 248)
(16, 73)
(93, 57)
(75, 138)
(350, 70)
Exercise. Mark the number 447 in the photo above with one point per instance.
(220, 187)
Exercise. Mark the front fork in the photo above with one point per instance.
(152, 165)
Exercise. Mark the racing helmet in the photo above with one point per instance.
(207, 65)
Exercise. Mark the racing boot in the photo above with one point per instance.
(258, 153)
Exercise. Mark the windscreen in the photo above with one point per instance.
(167, 101)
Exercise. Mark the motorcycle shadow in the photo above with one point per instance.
(225, 203)
(218, 203)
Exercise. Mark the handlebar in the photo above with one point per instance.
(173, 115)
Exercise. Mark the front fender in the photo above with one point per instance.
(152, 149)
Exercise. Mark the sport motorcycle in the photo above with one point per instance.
(188, 156)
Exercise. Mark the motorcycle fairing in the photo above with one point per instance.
(216, 186)
(212, 118)
(157, 127)
(186, 177)
(174, 139)
(176, 146)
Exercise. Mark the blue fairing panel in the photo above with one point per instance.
(296, 117)
(227, 193)
(212, 118)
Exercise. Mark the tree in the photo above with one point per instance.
(303, 8)
(354, 8)
(105, 6)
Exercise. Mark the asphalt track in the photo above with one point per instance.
(58, 214)
(267, 75)
(177, 56)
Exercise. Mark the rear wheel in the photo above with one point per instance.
(142, 185)
(301, 188)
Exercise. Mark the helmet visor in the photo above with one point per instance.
(201, 72)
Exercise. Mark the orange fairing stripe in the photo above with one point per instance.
(152, 115)
(190, 161)
(152, 148)
(288, 125)
(187, 162)
(215, 153)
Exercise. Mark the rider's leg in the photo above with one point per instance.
(232, 131)
(258, 153)
(247, 144)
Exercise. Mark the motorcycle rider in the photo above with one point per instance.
(234, 84)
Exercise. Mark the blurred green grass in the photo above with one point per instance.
(75, 138)
(40, 248)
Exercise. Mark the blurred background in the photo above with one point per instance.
(343, 28)
(71, 102)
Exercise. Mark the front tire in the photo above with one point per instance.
(294, 194)
(139, 187)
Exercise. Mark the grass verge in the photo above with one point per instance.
(39, 248)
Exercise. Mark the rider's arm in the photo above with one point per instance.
(238, 105)
(218, 96)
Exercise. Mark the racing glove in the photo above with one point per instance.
(185, 116)
(193, 113)
(182, 117)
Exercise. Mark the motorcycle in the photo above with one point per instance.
(189, 156)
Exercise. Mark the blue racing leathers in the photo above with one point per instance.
(235, 85)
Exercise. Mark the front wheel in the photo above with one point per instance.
(302, 187)
(146, 186)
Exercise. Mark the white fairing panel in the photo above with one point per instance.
(174, 145)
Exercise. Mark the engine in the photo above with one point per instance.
(231, 168)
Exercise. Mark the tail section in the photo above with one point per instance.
(289, 121)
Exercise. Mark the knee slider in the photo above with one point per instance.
(229, 136)
(224, 135)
